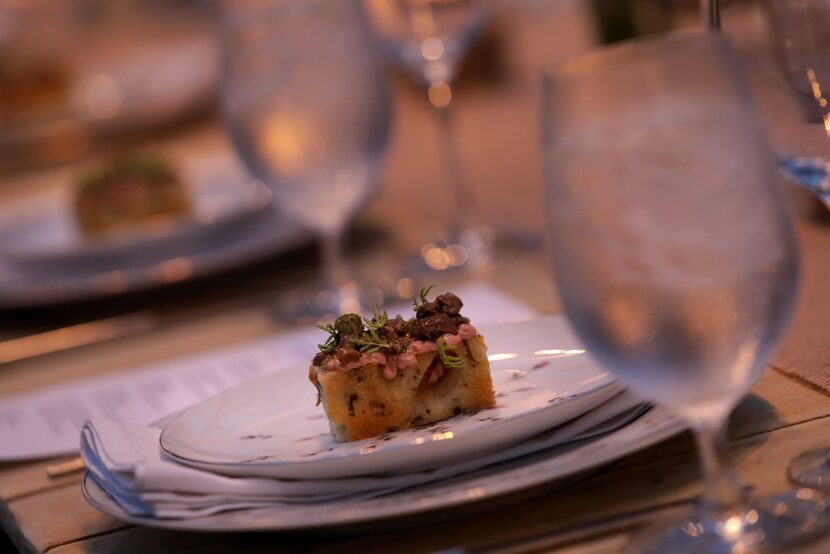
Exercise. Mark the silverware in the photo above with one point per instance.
(122, 326)
(65, 468)
(73, 336)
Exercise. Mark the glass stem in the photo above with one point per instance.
(710, 10)
(721, 488)
(463, 212)
(334, 266)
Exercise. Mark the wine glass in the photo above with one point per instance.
(306, 101)
(802, 36)
(802, 29)
(675, 255)
(803, 45)
(429, 39)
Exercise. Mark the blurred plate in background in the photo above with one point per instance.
(73, 74)
(45, 259)
(243, 241)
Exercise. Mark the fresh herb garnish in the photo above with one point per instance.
(378, 320)
(369, 335)
(330, 345)
(363, 335)
(370, 341)
(368, 344)
(448, 359)
(422, 299)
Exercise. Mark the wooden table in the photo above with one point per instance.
(498, 128)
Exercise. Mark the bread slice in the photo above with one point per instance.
(362, 402)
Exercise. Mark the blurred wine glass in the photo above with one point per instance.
(802, 31)
(676, 264)
(307, 104)
(430, 39)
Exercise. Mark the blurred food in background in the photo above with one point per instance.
(129, 191)
(75, 74)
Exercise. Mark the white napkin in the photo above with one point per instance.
(127, 462)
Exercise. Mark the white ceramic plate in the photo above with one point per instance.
(530, 473)
(271, 428)
(44, 259)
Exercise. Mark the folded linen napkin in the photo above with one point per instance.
(127, 462)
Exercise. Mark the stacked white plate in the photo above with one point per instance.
(548, 391)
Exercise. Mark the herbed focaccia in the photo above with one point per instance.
(380, 375)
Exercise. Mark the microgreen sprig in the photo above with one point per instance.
(369, 345)
(378, 320)
(422, 299)
(330, 345)
(448, 359)
(370, 341)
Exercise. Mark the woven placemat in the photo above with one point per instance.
(805, 351)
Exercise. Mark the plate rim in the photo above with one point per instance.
(602, 386)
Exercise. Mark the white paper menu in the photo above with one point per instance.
(48, 422)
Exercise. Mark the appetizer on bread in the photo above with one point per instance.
(379, 375)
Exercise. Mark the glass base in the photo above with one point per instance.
(311, 305)
(473, 248)
(811, 469)
(467, 248)
(773, 524)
